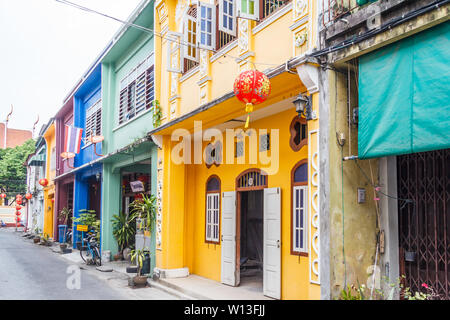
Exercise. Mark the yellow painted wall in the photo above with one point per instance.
(207, 257)
(188, 187)
(49, 190)
(182, 187)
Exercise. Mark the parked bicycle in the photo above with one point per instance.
(90, 253)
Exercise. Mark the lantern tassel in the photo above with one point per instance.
(248, 109)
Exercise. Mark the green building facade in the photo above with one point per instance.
(127, 99)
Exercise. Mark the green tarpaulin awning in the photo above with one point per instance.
(404, 96)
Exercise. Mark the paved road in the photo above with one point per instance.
(29, 271)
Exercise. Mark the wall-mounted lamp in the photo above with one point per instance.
(68, 156)
(303, 105)
(97, 176)
(94, 140)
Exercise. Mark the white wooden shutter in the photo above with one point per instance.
(228, 260)
(206, 25)
(190, 38)
(272, 243)
(248, 9)
(93, 119)
(173, 45)
(227, 16)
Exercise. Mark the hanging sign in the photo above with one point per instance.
(81, 227)
(137, 186)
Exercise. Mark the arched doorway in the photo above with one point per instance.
(251, 234)
(250, 186)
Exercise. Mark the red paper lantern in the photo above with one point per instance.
(19, 196)
(18, 208)
(17, 213)
(3, 195)
(43, 182)
(18, 219)
(28, 196)
(19, 201)
(251, 87)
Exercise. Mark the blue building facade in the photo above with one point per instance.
(87, 115)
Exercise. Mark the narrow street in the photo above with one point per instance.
(29, 271)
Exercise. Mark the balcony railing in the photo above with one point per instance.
(332, 10)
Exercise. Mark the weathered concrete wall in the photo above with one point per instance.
(353, 226)
(389, 11)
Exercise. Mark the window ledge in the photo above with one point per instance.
(189, 74)
(225, 49)
(131, 120)
(272, 18)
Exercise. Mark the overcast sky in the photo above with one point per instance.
(45, 47)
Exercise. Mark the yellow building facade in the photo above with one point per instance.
(234, 202)
(49, 190)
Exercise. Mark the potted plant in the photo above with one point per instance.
(139, 256)
(123, 231)
(45, 240)
(36, 238)
(144, 209)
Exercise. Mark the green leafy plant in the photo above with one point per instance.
(139, 256)
(124, 229)
(13, 173)
(157, 114)
(89, 218)
(352, 293)
(145, 208)
(64, 215)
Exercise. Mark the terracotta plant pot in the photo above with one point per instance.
(36, 240)
(140, 280)
(118, 256)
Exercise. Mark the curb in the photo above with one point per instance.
(175, 292)
(193, 295)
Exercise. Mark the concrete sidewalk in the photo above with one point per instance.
(192, 287)
(206, 289)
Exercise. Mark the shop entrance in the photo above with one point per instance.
(424, 225)
(95, 198)
(251, 236)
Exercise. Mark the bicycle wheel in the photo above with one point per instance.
(85, 254)
(97, 257)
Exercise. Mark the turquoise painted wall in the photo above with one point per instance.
(130, 49)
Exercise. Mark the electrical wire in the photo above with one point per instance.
(381, 192)
(386, 26)
(158, 34)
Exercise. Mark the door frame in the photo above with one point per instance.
(239, 190)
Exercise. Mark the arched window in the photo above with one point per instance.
(191, 52)
(299, 133)
(251, 179)
(299, 217)
(212, 216)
